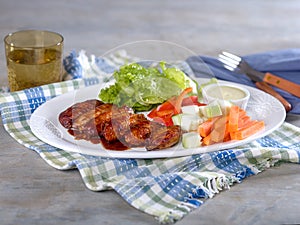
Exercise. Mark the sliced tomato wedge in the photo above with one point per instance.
(164, 112)
(191, 100)
(152, 113)
(166, 106)
(180, 99)
(164, 120)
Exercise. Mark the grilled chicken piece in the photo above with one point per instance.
(96, 121)
(108, 133)
(129, 129)
(122, 119)
(96, 116)
(140, 131)
(67, 117)
(163, 137)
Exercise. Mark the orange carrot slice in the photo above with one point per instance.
(220, 129)
(236, 126)
(242, 112)
(233, 118)
(248, 130)
(206, 127)
(243, 120)
(206, 140)
(246, 123)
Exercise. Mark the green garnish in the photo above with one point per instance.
(144, 88)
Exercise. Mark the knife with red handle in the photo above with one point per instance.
(283, 84)
(258, 78)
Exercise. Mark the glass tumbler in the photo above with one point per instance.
(34, 58)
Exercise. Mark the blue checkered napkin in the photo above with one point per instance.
(167, 188)
(284, 63)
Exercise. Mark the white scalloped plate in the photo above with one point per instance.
(45, 125)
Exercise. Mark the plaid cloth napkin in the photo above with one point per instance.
(167, 188)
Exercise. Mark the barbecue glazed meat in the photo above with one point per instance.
(99, 122)
(163, 137)
(67, 117)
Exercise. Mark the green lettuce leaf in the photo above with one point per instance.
(144, 88)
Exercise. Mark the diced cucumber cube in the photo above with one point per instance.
(225, 106)
(187, 122)
(211, 110)
(191, 140)
(190, 122)
(190, 109)
(177, 119)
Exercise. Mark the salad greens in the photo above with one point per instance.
(144, 88)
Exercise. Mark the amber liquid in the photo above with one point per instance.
(30, 68)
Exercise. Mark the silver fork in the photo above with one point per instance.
(235, 63)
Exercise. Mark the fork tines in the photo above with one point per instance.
(229, 60)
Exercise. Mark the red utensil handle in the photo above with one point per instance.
(283, 84)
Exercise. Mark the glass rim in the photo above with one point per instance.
(59, 42)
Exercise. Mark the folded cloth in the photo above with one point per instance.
(167, 188)
(284, 63)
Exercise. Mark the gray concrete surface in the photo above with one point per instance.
(31, 192)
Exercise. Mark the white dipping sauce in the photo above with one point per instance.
(237, 95)
(226, 93)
